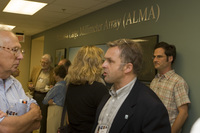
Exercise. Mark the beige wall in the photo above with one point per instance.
(31, 58)
(25, 63)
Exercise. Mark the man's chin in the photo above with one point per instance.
(108, 81)
(156, 67)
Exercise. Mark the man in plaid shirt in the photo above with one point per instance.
(169, 86)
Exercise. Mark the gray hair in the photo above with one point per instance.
(47, 56)
(1, 30)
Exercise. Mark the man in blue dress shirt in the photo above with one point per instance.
(18, 113)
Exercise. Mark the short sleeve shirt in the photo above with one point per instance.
(172, 90)
(13, 97)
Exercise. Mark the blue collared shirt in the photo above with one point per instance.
(13, 97)
(57, 93)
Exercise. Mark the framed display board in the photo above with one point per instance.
(60, 54)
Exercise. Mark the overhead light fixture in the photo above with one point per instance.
(7, 27)
(23, 7)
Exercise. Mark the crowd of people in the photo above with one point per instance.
(128, 106)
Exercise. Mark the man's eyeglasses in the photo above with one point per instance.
(15, 50)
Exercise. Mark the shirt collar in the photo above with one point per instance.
(62, 82)
(8, 82)
(167, 75)
(124, 90)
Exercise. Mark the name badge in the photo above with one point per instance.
(40, 80)
(102, 129)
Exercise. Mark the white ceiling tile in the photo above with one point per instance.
(55, 13)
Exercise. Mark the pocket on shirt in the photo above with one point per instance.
(21, 108)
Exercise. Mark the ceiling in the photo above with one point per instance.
(55, 13)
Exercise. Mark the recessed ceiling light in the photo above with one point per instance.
(23, 7)
(7, 27)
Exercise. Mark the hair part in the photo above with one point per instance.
(170, 50)
(87, 66)
(131, 52)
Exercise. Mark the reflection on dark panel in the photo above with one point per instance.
(148, 72)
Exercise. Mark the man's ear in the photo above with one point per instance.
(170, 58)
(128, 67)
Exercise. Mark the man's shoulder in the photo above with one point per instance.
(146, 94)
(141, 85)
(14, 82)
(177, 78)
(37, 68)
(14, 79)
(61, 83)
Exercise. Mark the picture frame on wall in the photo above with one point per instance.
(60, 54)
(148, 71)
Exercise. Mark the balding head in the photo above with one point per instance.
(66, 63)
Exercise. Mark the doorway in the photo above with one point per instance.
(37, 49)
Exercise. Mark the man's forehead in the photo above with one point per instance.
(113, 50)
(159, 51)
(6, 34)
(108, 54)
(45, 59)
(112, 53)
(9, 39)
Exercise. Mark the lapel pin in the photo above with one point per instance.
(126, 116)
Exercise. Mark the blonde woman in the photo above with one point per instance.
(86, 89)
